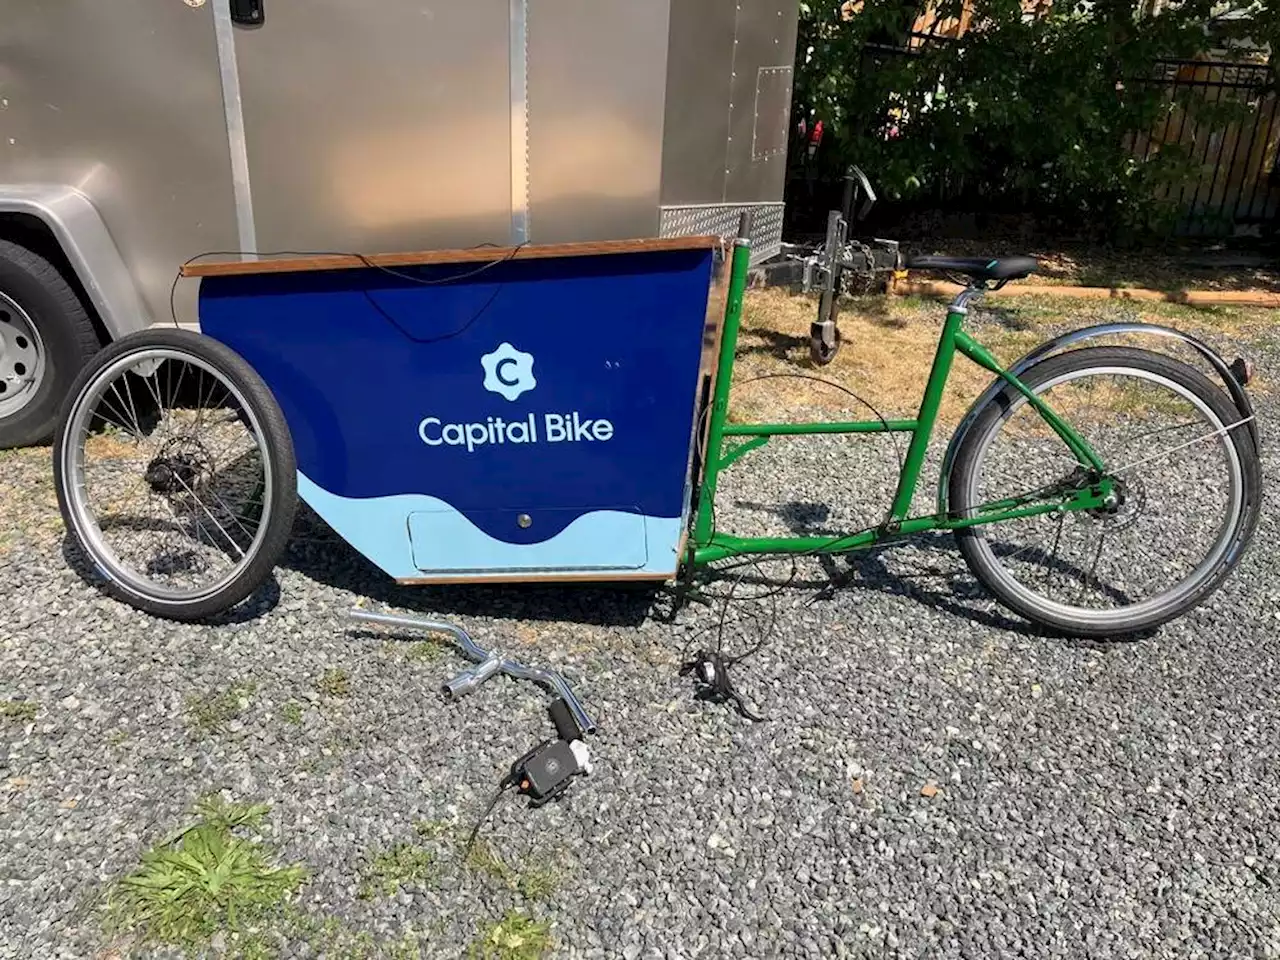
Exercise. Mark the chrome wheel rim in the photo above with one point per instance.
(167, 475)
(22, 358)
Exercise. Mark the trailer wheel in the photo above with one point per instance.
(46, 337)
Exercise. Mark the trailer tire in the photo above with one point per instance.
(46, 337)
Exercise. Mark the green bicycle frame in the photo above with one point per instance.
(709, 545)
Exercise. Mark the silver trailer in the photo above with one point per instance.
(137, 134)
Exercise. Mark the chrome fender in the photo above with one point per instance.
(1233, 386)
(87, 243)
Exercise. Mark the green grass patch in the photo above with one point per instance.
(515, 937)
(332, 938)
(291, 713)
(434, 829)
(212, 875)
(293, 932)
(425, 651)
(210, 712)
(18, 711)
(539, 883)
(334, 682)
(389, 871)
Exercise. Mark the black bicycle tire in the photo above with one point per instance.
(280, 452)
(967, 461)
(63, 322)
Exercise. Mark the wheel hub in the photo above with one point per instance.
(181, 467)
(22, 358)
(1123, 505)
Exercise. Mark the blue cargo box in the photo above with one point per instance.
(485, 414)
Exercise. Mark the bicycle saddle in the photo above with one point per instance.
(979, 268)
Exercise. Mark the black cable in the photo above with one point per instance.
(443, 336)
(755, 560)
(471, 839)
(843, 389)
(722, 688)
(824, 548)
(710, 669)
(764, 634)
(701, 451)
(363, 258)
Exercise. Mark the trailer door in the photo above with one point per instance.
(376, 126)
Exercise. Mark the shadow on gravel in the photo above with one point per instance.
(783, 346)
(321, 555)
(261, 601)
(945, 586)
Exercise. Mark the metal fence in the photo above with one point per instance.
(1225, 118)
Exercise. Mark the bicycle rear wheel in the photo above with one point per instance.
(175, 473)
(1187, 483)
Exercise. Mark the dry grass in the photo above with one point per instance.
(888, 347)
(28, 500)
(889, 342)
(1093, 266)
(109, 445)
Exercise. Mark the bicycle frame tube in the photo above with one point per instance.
(720, 397)
(928, 415)
(979, 354)
(709, 545)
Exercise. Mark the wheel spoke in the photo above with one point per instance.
(234, 517)
(136, 431)
(111, 423)
(1221, 432)
(1093, 567)
(160, 407)
(175, 391)
(133, 409)
(1059, 523)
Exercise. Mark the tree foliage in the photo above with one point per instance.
(1030, 113)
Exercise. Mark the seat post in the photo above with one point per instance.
(960, 304)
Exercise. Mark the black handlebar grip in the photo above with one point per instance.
(562, 717)
(744, 225)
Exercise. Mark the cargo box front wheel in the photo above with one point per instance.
(175, 473)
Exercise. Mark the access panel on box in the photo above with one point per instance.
(448, 542)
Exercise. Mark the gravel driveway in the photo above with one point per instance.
(933, 780)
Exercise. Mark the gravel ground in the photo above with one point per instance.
(934, 779)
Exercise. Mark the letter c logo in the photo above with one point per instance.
(508, 372)
(501, 368)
